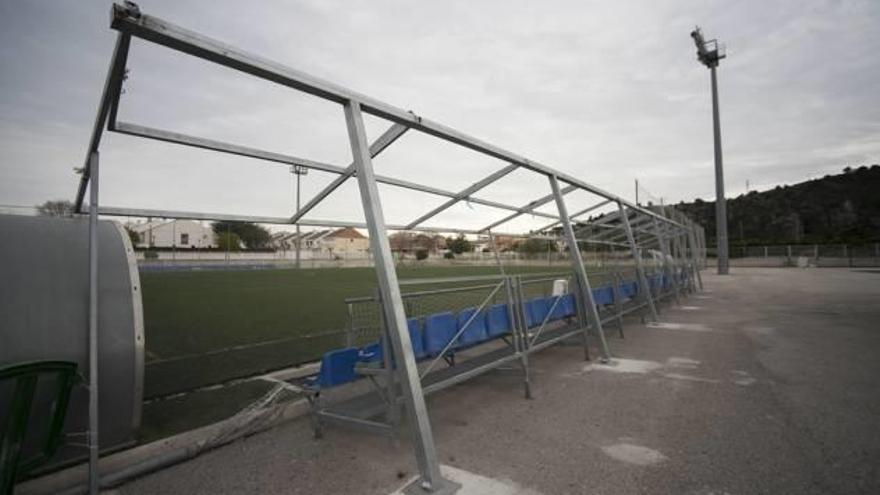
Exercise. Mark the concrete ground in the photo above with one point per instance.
(766, 382)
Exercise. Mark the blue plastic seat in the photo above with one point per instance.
(628, 289)
(374, 352)
(371, 352)
(498, 320)
(556, 302)
(337, 368)
(569, 308)
(476, 331)
(603, 295)
(536, 311)
(440, 328)
(417, 337)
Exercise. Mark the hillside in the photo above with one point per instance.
(843, 208)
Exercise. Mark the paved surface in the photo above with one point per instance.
(767, 382)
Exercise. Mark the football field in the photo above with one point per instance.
(211, 326)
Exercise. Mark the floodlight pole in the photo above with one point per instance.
(710, 58)
(298, 171)
(430, 480)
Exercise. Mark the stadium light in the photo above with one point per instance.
(709, 53)
(298, 171)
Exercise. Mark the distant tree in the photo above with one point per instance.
(252, 235)
(841, 208)
(422, 254)
(535, 246)
(228, 241)
(459, 245)
(56, 208)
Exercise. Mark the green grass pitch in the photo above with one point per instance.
(201, 325)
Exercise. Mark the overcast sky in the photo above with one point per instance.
(607, 91)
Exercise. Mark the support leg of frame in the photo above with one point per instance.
(430, 480)
(580, 270)
(94, 421)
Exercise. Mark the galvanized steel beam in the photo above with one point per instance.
(392, 303)
(586, 300)
(177, 38)
(385, 140)
(464, 194)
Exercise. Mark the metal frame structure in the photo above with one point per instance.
(525, 336)
(130, 22)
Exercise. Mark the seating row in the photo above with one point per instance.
(429, 339)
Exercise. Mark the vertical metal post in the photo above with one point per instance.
(618, 305)
(349, 336)
(637, 257)
(816, 251)
(720, 200)
(679, 254)
(579, 270)
(520, 343)
(298, 240)
(497, 256)
(788, 251)
(173, 239)
(392, 302)
(695, 257)
(705, 247)
(667, 259)
(94, 475)
(765, 252)
(299, 171)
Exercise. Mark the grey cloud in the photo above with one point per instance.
(609, 91)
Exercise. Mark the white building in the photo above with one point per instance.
(342, 242)
(182, 234)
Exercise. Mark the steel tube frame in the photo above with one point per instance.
(93, 446)
(191, 215)
(580, 271)
(619, 233)
(465, 193)
(667, 259)
(129, 21)
(161, 32)
(529, 208)
(392, 303)
(574, 215)
(637, 257)
(109, 97)
(234, 149)
(385, 140)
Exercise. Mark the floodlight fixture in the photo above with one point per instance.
(709, 53)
